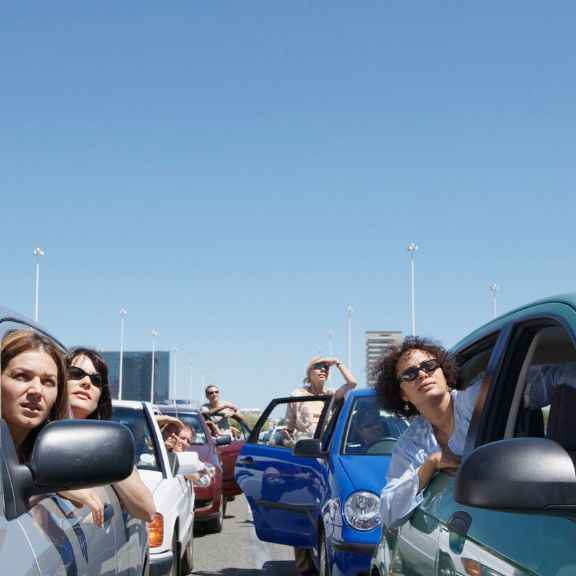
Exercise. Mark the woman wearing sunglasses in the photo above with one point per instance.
(89, 397)
(418, 380)
(303, 417)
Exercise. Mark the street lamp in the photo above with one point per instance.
(123, 313)
(494, 288)
(350, 310)
(190, 381)
(412, 249)
(174, 377)
(330, 336)
(37, 252)
(154, 334)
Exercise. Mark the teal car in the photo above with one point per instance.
(510, 508)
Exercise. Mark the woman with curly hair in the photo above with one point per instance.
(419, 380)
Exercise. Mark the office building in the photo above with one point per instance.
(137, 375)
(376, 345)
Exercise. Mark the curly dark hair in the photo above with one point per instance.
(387, 386)
(104, 409)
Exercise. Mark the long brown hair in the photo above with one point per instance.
(16, 342)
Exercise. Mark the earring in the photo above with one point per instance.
(406, 407)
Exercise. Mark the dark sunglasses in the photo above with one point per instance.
(427, 366)
(213, 392)
(75, 373)
(320, 366)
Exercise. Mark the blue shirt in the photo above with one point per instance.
(400, 494)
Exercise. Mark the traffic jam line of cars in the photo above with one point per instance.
(509, 509)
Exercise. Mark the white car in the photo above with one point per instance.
(171, 533)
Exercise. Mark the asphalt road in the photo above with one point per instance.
(236, 551)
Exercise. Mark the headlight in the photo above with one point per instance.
(362, 510)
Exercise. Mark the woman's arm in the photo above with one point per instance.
(350, 381)
(136, 497)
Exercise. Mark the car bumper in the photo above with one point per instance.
(161, 563)
(352, 558)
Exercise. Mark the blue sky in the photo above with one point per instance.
(235, 174)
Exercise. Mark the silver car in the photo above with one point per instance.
(43, 534)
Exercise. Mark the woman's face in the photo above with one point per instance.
(318, 374)
(83, 396)
(184, 440)
(29, 384)
(170, 436)
(426, 385)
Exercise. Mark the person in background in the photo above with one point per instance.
(186, 437)
(89, 397)
(302, 418)
(418, 380)
(368, 427)
(218, 412)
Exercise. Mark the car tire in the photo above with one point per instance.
(175, 556)
(187, 564)
(215, 525)
(323, 566)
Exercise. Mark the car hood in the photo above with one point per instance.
(365, 472)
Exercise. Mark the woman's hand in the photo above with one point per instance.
(88, 497)
(437, 461)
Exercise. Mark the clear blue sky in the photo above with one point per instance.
(236, 173)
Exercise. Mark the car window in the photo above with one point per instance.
(546, 385)
(371, 430)
(145, 456)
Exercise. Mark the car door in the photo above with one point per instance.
(503, 539)
(284, 491)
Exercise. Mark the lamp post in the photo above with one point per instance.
(349, 310)
(191, 366)
(494, 288)
(37, 252)
(412, 248)
(154, 334)
(123, 313)
(174, 377)
(330, 336)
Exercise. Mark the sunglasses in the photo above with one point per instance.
(428, 366)
(320, 366)
(212, 392)
(75, 373)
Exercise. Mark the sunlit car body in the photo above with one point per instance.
(209, 503)
(171, 533)
(323, 494)
(510, 509)
(42, 534)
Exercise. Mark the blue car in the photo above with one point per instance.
(322, 493)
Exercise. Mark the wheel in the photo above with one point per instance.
(216, 524)
(187, 564)
(175, 555)
(381, 446)
(324, 566)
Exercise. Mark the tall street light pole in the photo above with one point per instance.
(123, 313)
(190, 381)
(174, 377)
(37, 252)
(349, 310)
(412, 248)
(330, 337)
(154, 334)
(494, 288)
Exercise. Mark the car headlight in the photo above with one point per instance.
(362, 510)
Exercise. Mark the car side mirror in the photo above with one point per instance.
(223, 440)
(309, 448)
(530, 474)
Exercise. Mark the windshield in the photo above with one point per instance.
(145, 457)
(371, 430)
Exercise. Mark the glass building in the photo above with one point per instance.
(137, 375)
(377, 342)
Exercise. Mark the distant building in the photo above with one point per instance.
(137, 375)
(376, 345)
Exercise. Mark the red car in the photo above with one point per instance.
(210, 502)
(229, 453)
